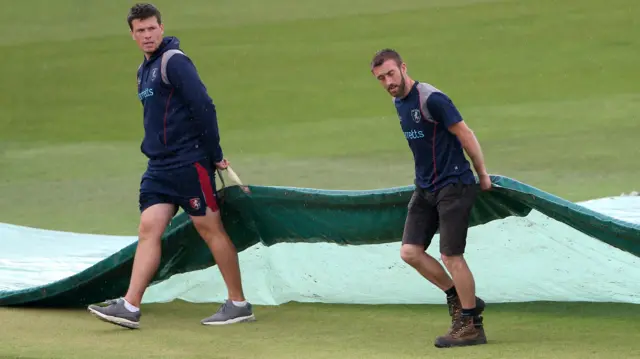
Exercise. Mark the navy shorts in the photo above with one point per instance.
(193, 188)
(447, 210)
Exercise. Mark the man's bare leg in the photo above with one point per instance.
(467, 327)
(212, 231)
(426, 265)
(126, 312)
(235, 309)
(153, 223)
(454, 207)
(463, 279)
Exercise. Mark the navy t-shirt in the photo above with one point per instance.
(425, 115)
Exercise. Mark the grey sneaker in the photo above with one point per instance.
(230, 314)
(113, 311)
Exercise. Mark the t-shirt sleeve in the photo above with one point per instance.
(442, 109)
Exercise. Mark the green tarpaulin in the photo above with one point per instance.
(271, 215)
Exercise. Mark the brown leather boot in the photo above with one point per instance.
(455, 308)
(477, 322)
(463, 332)
(455, 311)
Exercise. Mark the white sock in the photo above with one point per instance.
(130, 307)
(239, 304)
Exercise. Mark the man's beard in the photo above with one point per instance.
(401, 88)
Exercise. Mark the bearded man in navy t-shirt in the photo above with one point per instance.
(445, 192)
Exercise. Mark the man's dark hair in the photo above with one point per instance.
(384, 55)
(142, 11)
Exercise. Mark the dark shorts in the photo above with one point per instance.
(193, 188)
(448, 210)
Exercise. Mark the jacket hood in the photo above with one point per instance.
(168, 43)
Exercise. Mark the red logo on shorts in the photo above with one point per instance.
(195, 203)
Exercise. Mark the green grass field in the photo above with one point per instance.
(549, 87)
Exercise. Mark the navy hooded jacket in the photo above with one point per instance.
(180, 123)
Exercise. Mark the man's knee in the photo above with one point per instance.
(452, 260)
(154, 221)
(410, 253)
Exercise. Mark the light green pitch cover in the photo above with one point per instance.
(267, 216)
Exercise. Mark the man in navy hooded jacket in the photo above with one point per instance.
(182, 144)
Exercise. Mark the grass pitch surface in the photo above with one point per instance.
(541, 331)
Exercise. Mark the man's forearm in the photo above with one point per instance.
(472, 147)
